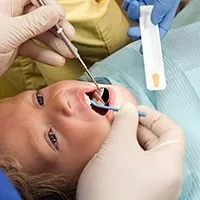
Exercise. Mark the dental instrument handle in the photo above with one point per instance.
(116, 109)
(72, 48)
(74, 51)
(41, 2)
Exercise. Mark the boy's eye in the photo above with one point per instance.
(40, 99)
(53, 139)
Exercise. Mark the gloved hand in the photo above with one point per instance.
(17, 28)
(162, 14)
(124, 170)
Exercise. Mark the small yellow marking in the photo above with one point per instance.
(156, 79)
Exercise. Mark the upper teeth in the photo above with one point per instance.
(87, 99)
(97, 101)
(101, 92)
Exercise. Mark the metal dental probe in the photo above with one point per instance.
(73, 49)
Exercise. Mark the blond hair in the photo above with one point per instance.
(45, 186)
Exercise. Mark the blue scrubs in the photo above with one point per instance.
(7, 189)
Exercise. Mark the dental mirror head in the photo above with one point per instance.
(102, 94)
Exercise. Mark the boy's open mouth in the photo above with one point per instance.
(105, 97)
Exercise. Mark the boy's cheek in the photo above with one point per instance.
(124, 96)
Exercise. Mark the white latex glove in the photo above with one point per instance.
(17, 28)
(123, 170)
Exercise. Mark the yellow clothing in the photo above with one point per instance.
(100, 30)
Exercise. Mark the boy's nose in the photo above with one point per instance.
(60, 103)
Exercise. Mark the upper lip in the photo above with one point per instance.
(82, 92)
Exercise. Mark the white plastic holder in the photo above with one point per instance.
(152, 51)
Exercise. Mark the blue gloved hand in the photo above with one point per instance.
(162, 14)
(7, 190)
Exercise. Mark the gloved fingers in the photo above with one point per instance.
(126, 4)
(149, 141)
(120, 146)
(47, 2)
(123, 132)
(13, 8)
(170, 140)
(134, 33)
(126, 120)
(162, 8)
(167, 20)
(43, 55)
(164, 18)
(160, 125)
(146, 138)
(55, 43)
(163, 32)
(159, 11)
(29, 8)
(36, 22)
(21, 2)
(120, 143)
(134, 10)
(52, 39)
(68, 29)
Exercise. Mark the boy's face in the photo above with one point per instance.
(56, 130)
